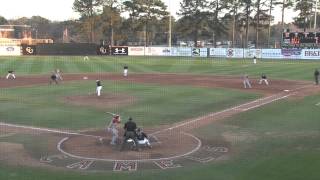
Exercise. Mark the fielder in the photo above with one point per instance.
(11, 75)
(53, 78)
(254, 60)
(112, 127)
(316, 76)
(58, 74)
(264, 79)
(98, 88)
(246, 81)
(125, 71)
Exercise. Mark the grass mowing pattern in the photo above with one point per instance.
(43, 106)
(279, 141)
(282, 69)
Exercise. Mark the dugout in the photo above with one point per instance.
(66, 49)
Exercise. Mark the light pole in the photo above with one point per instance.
(315, 15)
(170, 27)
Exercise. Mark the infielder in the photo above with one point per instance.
(246, 81)
(58, 74)
(113, 128)
(125, 71)
(11, 75)
(53, 78)
(264, 79)
(98, 88)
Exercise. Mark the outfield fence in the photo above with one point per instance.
(92, 49)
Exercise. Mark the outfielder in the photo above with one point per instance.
(246, 81)
(98, 88)
(113, 128)
(11, 75)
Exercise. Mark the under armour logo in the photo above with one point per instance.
(122, 50)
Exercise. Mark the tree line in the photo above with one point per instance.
(148, 22)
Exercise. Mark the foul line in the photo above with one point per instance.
(229, 109)
(47, 130)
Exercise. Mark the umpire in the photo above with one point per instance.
(130, 131)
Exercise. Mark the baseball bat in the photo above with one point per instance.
(111, 113)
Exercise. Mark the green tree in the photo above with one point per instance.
(194, 19)
(260, 18)
(3, 20)
(248, 4)
(146, 14)
(218, 26)
(88, 10)
(111, 20)
(305, 8)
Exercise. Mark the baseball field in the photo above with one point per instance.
(201, 122)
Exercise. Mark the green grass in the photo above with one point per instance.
(43, 106)
(279, 141)
(282, 69)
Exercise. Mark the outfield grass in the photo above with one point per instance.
(283, 69)
(279, 141)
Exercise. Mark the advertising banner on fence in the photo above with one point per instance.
(250, 53)
(291, 53)
(311, 54)
(218, 52)
(119, 50)
(136, 51)
(235, 53)
(200, 52)
(157, 51)
(10, 50)
(103, 50)
(180, 51)
(271, 54)
(28, 50)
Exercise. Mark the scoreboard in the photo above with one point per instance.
(301, 40)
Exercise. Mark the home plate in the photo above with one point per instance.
(286, 90)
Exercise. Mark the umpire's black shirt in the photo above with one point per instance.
(130, 126)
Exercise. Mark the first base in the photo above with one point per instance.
(286, 90)
(85, 77)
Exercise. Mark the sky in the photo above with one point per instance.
(60, 10)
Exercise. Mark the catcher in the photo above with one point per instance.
(143, 138)
(112, 127)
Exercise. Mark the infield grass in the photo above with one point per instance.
(45, 106)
